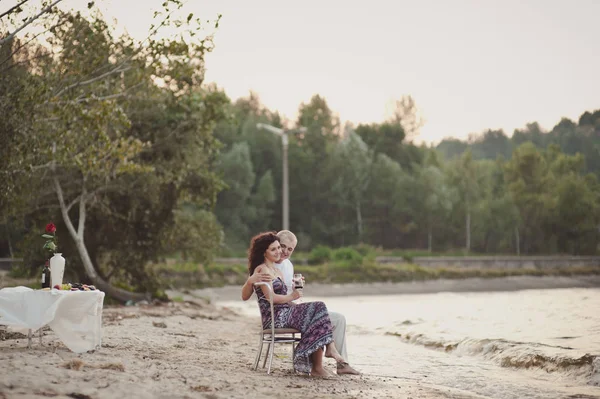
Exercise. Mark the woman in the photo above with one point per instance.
(310, 318)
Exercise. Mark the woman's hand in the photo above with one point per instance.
(296, 294)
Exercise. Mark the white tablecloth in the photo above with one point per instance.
(75, 316)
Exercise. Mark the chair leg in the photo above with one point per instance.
(272, 346)
(293, 348)
(260, 348)
(267, 354)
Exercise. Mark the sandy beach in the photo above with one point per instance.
(193, 348)
(178, 350)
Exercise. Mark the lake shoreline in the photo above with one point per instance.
(513, 283)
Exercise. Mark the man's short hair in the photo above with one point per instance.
(287, 235)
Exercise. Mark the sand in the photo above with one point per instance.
(195, 349)
(179, 350)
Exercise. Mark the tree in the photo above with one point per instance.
(389, 216)
(232, 210)
(451, 148)
(463, 175)
(532, 133)
(491, 144)
(308, 155)
(436, 197)
(349, 172)
(263, 201)
(574, 217)
(78, 149)
(527, 181)
(406, 114)
(15, 17)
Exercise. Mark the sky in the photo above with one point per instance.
(470, 65)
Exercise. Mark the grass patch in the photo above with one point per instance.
(350, 269)
(194, 275)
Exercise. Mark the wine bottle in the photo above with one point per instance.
(46, 276)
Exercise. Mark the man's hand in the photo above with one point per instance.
(259, 277)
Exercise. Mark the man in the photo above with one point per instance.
(288, 242)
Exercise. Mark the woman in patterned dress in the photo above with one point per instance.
(310, 318)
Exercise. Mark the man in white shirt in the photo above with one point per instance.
(288, 243)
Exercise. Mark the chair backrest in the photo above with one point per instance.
(270, 289)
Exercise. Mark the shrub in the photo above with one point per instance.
(319, 255)
(348, 254)
(365, 249)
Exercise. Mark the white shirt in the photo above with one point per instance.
(287, 269)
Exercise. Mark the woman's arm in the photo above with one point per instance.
(278, 299)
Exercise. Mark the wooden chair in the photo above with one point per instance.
(273, 335)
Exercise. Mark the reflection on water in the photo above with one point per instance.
(524, 344)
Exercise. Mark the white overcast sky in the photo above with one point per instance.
(469, 64)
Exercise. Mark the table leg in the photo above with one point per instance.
(29, 339)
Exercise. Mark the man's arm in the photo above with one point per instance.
(248, 288)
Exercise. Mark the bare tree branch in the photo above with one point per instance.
(82, 212)
(15, 51)
(76, 200)
(109, 97)
(14, 64)
(63, 208)
(29, 21)
(92, 80)
(13, 8)
(31, 168)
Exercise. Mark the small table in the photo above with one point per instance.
(74, 316)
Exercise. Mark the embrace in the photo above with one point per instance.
(268, 261)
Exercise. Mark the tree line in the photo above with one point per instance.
(533, 193)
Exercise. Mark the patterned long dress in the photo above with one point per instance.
(310, 318)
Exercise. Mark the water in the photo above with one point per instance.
(523, 344)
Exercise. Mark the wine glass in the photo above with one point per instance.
(298, 281)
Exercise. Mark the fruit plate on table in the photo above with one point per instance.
(72, 287)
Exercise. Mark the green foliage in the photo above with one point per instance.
(194, 275)
(161, 163)
(343, 271)
(319, 255)
(348, 255)
(119, 129)
(365, 250)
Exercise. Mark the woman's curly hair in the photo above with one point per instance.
(258, 246)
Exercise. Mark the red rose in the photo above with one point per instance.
(50, 228)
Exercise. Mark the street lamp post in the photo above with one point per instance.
(285, 187)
